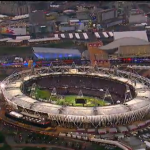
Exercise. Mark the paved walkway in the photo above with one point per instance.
(39, 145)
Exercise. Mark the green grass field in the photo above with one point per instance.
(68, 99)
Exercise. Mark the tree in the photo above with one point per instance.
(2, 137)
(6, 147)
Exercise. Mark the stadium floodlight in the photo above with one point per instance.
(2, 85)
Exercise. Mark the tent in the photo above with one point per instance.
(56, 53)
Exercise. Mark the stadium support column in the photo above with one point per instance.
(147, 111)
(32, 69)
(95, 111)
(95, 66)
(90, 70)
(73, 65)
(128, 95)
(50, 68)
(54, 92)
(134, 82)
(115, 70)
(22, 87)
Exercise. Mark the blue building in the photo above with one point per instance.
(42, 53)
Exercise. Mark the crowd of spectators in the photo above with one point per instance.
(90, 86)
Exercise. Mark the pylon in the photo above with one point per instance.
(80, 94)
(50, 67)
(33, 90)
(73, 65)
(54, 92)
(108, 95)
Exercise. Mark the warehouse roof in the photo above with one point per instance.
(124, 42)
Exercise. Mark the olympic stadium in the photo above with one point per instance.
(100, 97)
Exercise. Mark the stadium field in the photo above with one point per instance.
(68, 99)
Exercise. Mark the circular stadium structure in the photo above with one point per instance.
(126, 96)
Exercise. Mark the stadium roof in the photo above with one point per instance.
(124, 42)
(135, 34)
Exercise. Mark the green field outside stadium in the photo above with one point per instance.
(68, 99)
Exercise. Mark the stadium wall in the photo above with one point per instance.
(134, 51)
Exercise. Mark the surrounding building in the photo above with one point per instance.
(83, 15)
(37, 17)
(128, 45)
(103, 16)
(13, 8)
(137, 18)
(21, 8)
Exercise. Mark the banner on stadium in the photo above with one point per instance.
(30, 63)
(13, 31)
(73, 71)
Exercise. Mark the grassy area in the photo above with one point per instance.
(63, 44)
(27, 50)
(68, 99)
(15, 51)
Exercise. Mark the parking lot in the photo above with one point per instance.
(136, 139)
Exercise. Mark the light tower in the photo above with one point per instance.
(107, 95)
(54, 92)
(33, 90)
(80, 94)
(128, 95)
